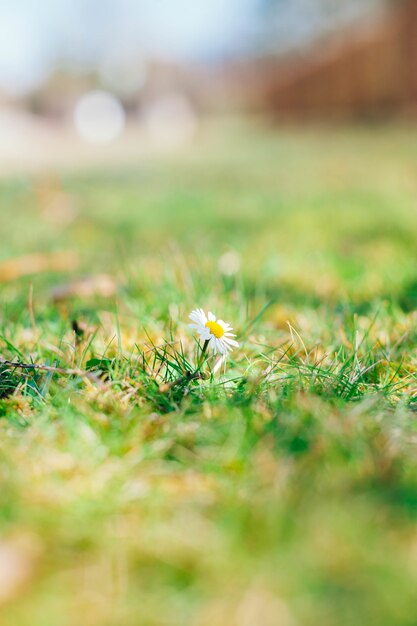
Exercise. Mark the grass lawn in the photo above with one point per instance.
(280, 491)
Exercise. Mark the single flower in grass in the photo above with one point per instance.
(215, 333)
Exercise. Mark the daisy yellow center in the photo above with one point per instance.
(215, 329)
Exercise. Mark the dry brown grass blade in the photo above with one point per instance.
(100, 285)
(55, 370)
(38, 263)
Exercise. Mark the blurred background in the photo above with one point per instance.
(76, 74)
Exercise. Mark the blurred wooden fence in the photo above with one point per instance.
(369, 71)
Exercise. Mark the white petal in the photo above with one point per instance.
(213, 344)
(219, 346)
(198, 316)
(211, 317)
(231, 342)
(226, 327)
(225, 348)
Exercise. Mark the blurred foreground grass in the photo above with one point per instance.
(284, 492)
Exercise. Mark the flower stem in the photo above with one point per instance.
(203, 352)
(189, 376)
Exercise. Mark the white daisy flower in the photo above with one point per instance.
(215, 331)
